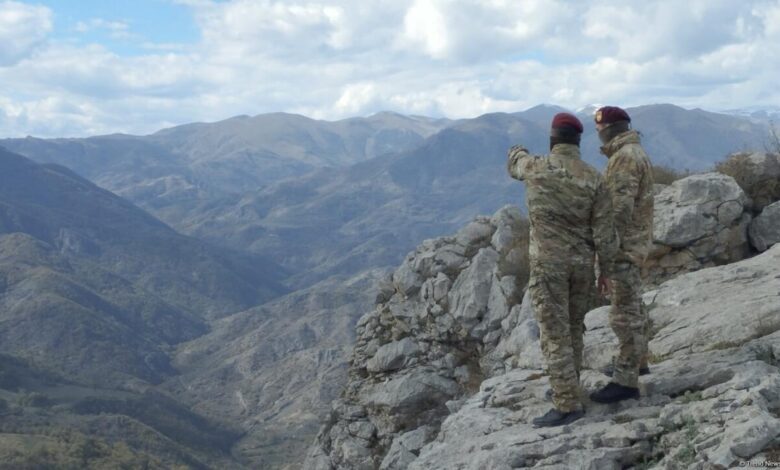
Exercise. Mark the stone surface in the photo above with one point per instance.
(451, 376)
(765, 228)
(418, 352)
(710, 401)
(699, 221)
(392, 356)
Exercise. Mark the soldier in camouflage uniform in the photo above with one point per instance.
(571, 219)
(629, 177)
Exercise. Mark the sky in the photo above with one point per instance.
(87, 67)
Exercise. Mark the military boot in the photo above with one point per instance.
(614, 393)
(557, 418)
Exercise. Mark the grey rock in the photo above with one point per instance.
(441, 287)
(407, 280)
(750, 437)
(508, 222)
(406, 447)
(688, 209)
(699, 221)
(410, 393)
(691, 310)
(711, 395)
(475, 233)
(765, 229)
(393, 355)
(471, 291)
(451, 257)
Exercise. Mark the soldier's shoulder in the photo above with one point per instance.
(589, 170)
(629, 156)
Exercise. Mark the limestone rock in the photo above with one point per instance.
(765, 229)
(471, 291)
(475, 233)
(392, 356)
(693, 207)
(451, 378)
(699, 221)
(716, 405)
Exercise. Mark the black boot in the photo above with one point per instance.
(614, 393)
(609, 371)
(557, 418)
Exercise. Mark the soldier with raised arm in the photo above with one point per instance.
(571, 220)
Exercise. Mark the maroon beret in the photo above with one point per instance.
(566, 120)
(611, 114)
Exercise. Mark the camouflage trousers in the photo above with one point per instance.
(628, 319)
(562, 293)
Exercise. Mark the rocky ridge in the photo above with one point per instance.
(447, 373)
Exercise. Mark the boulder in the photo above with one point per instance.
(696, 207)
(404, 399)
(392, 356)
(475, 233)
(765, 229)
(699, 221)
(470, 293)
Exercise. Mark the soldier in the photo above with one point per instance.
(570, 212)
(629, 177)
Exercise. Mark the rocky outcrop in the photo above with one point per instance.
(443, 310)
(765, 229)
(711, 401)
(700, 221)
(447, 370)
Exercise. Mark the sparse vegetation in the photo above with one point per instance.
(665, 175)
(657, 358)
(648, 462)
(687, 454)
(73, 451)
(761, 188)
(773, 145)
(34, 399)
(690, 397)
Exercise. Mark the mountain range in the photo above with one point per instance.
(218, 282)
(323, 198)
(94, 296)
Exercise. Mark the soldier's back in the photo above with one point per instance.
(561, 195)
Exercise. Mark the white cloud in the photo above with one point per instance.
(424, 26)
(22, 28)
(337, 58)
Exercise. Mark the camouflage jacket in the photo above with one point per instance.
(568, 205)
(629, 178)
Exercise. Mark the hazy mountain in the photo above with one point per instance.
(273, 369)
(94, 296)
(174, 170)
(694, 139)
(341, 220)
(340, 210)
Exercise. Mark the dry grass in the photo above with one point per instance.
(665, 175)
(762, 189)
